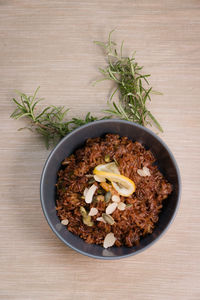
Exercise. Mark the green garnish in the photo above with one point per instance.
(50, 121)
(132, 86)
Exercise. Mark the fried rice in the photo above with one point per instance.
(141, 209)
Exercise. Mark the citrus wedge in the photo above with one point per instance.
(122, 184)
(110, 168)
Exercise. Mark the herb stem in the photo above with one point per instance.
(131, 84)
(50, 121)
(132, 87)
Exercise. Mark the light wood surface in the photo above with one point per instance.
(49, 43)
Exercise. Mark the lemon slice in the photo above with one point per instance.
(122, 184)
(110, 168)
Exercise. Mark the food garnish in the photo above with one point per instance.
(110, 168)
(65, 222)
(100, 219)
(122, 184)
(115, 198)
(144, 172)
(85, 191)
(108, 219)
(131, 85)
(90, 193)
(93, 211)
(99, 178)
(108, 188)
(109, 240)
(121, 206)
(86, 218)
(108, 196)
(111, 208)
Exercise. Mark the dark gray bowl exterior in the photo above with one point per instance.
(75, 140)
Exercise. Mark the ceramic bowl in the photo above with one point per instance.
(164, 159)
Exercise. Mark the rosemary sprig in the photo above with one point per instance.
(50, 121)
(132, 86)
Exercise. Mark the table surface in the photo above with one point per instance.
(50, 44)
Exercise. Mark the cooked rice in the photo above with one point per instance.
(142, 207)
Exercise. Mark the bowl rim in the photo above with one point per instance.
(53, 151)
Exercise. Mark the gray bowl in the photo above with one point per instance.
(76, 139)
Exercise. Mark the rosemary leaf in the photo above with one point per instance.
(49, 123)
(131, 84)
(132, 87)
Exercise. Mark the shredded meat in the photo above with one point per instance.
(143, 206)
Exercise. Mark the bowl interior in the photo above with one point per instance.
(75, 140)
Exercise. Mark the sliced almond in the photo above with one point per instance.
(90, 193)
(93, 211)
(147, 171)
(141, 172)
(111, 208)
(116, 198)
(144, 172)
(109, 240)
(65, 222)
(99, 178)
(121, 206)
(100, 219)
(85, 191)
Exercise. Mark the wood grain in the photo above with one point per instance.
(49, 43)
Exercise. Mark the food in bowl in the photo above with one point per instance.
(110, 192)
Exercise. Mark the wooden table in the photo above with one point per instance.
(49, 43)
